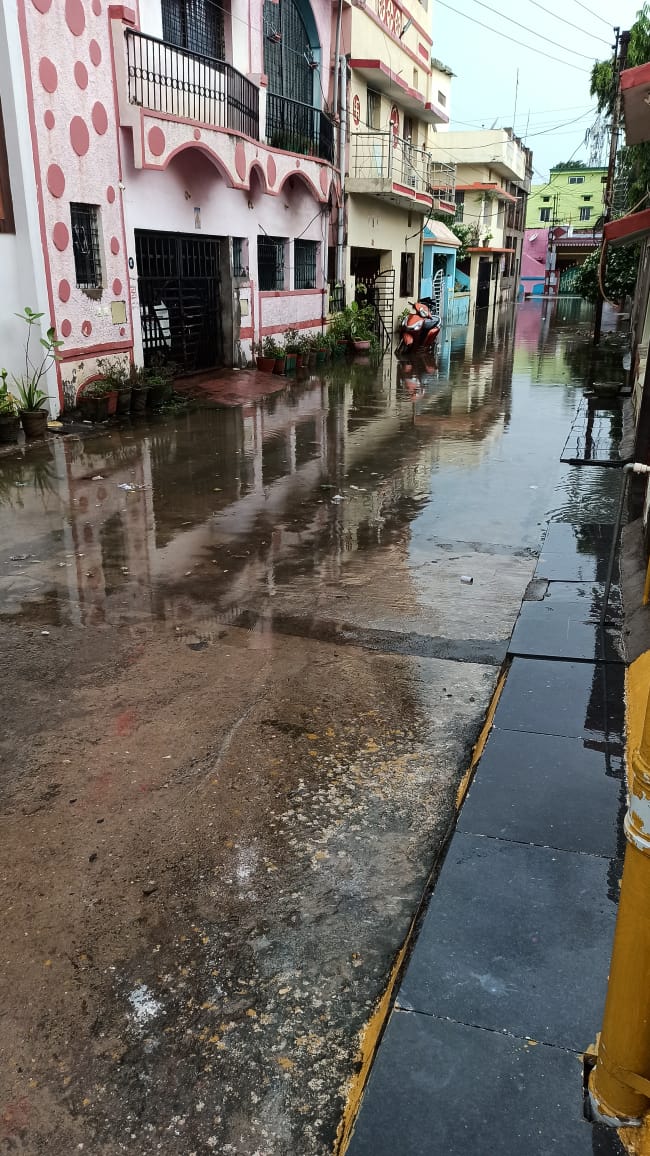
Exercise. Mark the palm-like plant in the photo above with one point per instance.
(28, 384)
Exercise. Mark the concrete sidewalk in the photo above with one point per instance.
(505, 987)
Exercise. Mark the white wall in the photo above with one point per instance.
(22, 271)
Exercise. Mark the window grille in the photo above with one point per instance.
(304, 264)
(585, 213)
(407, 275)
(460, 204)
(238, 258)
(544, 214)
(270, 263)
(196, 25)
(288, 51)
(85, 245)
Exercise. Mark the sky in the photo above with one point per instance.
(549, 94)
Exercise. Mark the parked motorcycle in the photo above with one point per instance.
(419, 331)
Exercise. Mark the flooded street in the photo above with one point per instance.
(244, 672)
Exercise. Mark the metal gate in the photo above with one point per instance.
(384, 302)
(178, 285)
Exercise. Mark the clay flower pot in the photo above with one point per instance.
(124, 402)
(9, 428)
(266, 364)
(34, 422)
(139, 401)
(111, 398)
(280, 365)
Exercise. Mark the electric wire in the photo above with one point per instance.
(576, 26)
(532, 31)
(592, 13)
(505, 36)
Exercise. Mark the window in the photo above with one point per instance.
(576, 180)
(416, 79)
(407, 275)
(288, 51)
(85, 245)
(305, 254)
(545, 199)
(544, 214)
(585, 212)
(587, 197)
(6, 205)
(270, 263)
(196, 25)
(442, 99)
(239, 257)
(460, 204)
(373, 109)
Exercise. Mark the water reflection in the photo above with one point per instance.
(217, 506)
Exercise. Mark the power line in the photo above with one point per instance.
(525, 28)
(592, 13)
(576, 26)
(505, 36)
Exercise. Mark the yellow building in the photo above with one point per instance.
(397, 95)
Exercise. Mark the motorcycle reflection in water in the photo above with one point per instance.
(417, 379)
(419, 329)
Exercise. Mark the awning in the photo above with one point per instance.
(629, 230)
(487, 187)
(382, 78)
(437, 233)
(488, 249)
(635, 91)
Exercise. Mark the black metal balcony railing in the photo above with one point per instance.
(299, 128)
(168, 79)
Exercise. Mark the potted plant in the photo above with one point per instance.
(30, 396)
(304, 348)
(292, 349)
(9, 420)
(362, 328)
(280, 366)
(139, 390)
(116, 376)
(266, 361)
(96, 399)
(160, 378)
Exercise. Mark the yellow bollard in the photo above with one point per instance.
(619, 1087)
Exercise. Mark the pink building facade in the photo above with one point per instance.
(168, 188)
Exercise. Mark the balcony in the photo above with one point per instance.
(189, 86)
(386, 166)
(299, 128)
(174, 99)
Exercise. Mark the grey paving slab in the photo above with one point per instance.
(595, 436)
(517, 938)
(573, 699)
(575, 553)
(439, 1088)
(566, 624)
(547, 790)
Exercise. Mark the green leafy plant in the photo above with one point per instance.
(98, 388)
(621, 267)
(30, 395)
(8, 403)
(291, 341)
(115, 374)
(271, 348)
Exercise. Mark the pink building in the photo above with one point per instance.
(533, 262)
(167, 179)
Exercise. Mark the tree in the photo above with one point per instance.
(468, 235)
(568, 166)
(634, 160)
(621, 267)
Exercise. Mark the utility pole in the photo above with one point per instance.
(620, 60)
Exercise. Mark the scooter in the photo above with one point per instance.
(419, 331)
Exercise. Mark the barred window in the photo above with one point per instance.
(270, 263)
(239, 257)
(304, 264)
(407, 275)
(460, 204)
(196, 25)
(544, 214)
(85, 245)
(585, 213)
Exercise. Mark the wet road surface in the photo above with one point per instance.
(244, 677)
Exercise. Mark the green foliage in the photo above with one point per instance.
(271, 348)
(30, 395)
(115, 373)
(634, 160)
(620, 274)
(569, 166)
(469, 238)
